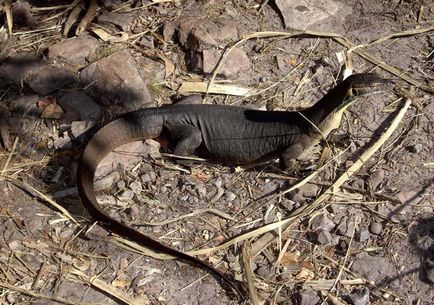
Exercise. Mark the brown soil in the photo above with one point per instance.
(374, 235)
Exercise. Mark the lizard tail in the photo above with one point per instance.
(133, 126)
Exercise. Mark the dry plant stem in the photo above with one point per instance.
(8, 11)
(36, 295)
(249, 274)
(14, 147)
(364, 54)
(107, 288)
(32, 190)
(90, 13)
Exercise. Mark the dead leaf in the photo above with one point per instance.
(45, 101)
(52, 111)
(168, 64)
(121, 283)
(289, 259)
(305, 274)
(119, 37)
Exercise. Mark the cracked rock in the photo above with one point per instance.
(116, 79)
(74, 50)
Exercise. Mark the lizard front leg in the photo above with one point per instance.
(188, 138)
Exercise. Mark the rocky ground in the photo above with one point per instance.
(68, 66)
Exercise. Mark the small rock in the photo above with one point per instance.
(121, 185)
(201, 190)
(116, 78)
(26, 106)
(206, 61)
(134, 212)
(416, 148)
(198, 34)
(74, 50)
(306, 191)
(126, 195)
(322, 222)
(230, 196)
(121, 20)
(307, 297)
(429, 270)
(376, 178)
(361, 297)
(79, 128)
(22, 14)
(264, 271)
(146, 178)
(48, 79)
(324, 238)
(410, 197)
(363, 265)
(147, 42)
(136, 187)
(303, 15)
(20, 67)
(363, 236)
(375, 228)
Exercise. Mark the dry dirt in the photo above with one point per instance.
(372, 242)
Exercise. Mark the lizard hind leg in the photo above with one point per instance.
(188, 138)
(287, 159)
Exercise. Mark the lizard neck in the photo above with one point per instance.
(331, 105)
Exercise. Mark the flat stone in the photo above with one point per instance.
(306, 191)
(80, 128)
(322, 222)
(199, 34)
(117, 79)
(207, 60)
(74, 50)
(303, 14)
(20, 67)
(128, 155)
(376, 178)
(361, 297)
(324, 238)
(47, 79)
(307, 297)
(375, 228)
(121, 20)
(363, 236)
(363, 264)
(85, 106)
(26, 106)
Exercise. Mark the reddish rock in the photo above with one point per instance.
(303, 14)
(75, 50)
(83, 105)
(198, 34)
(116, 79)
(121, 20)
(206, 61)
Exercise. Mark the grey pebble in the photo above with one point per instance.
(361, 297)
(324, 238)
(375, 228)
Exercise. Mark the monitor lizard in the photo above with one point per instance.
(230, 134)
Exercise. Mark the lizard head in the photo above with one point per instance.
(364, 84)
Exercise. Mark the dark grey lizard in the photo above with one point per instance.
(227, 133)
